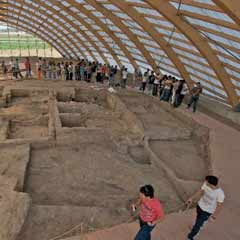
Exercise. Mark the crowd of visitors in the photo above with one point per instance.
(58, 70)
(80, 71)
(13, 67)
(168, 88)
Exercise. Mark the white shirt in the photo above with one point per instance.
(184, 89)
(124, 74)
(144, 79)
(157, 79)
(210, 198)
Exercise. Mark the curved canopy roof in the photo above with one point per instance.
(198, 40)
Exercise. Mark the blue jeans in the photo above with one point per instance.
(193, 100)
(202, 217)
(165, 95)
(111, 81)
(145, 231)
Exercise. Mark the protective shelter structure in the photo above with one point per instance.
(197, 40)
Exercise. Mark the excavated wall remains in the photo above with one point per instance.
(74, 155)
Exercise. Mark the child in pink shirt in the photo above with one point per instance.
(151, 212)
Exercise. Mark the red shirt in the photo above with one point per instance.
(103, 69)
(151, 210)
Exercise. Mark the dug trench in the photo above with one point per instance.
(88, 179)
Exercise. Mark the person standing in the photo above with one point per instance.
(77, 71)
(99, 75)
(44, 69)
(27, 67)
(17, 69)
(156, 84)
(151, 212)
(89, 73)
(62, 70)
(124, 78)
(10, 69)
(39, 68)
(82, 71)
(66, 70)
(195, 92)
(54, 70)
(144, 81)
(151, 81)
(208, 207)
(74, 70)
(181, 92)
(166, 93)
(174, 89)
(103, 71)
(117, 76)
(49, 70)
(112, 77)
(4, 69)
(58, 66)
(139, 76)
(39, 72)
(70, 71)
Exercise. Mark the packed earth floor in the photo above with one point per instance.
(80, 153)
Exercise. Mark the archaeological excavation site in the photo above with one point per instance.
(73, 156)
(119, 119)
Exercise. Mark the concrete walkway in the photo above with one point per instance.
(225, 152)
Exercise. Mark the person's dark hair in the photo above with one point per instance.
(147, 190)
(212, 180)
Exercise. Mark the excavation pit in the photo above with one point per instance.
(93, 96)
(23, 130)
(73, 120)
(27, 113)
(100, 155)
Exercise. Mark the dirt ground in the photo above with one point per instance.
(105, 147)
(28, 116)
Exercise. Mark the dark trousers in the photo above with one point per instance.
(89, 76)
(77, 74)
(19, 73)
(28, 73)
(202, 217)
(143, 87)
(178, 100)
(165, 95)
(145, 231)
(67, 75)
(155, 89)
(123, 83)
(70, 76)
(193, 100)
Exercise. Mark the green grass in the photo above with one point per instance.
(21, 42)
